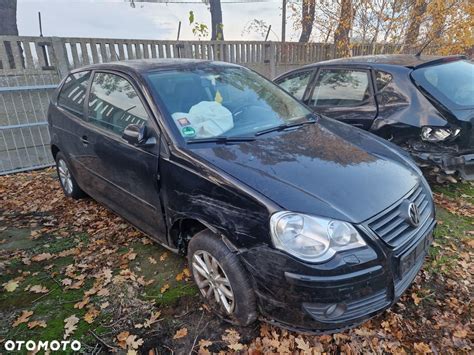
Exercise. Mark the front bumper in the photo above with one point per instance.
(347, 290)
(449, 159)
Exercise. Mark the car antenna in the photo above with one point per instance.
(424, 46)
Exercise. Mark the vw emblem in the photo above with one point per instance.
(413, 215)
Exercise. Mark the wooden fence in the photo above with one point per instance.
(31, 67)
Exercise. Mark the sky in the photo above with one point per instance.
(117, 19)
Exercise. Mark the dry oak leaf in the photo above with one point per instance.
(70, 325)
(236, 346)
(416, 299)
(41, 257)
(83, 303)
(164, 256)
(181, 333)
(231, 336)
(66, 282)
(164, 288)
(153, 319)
(10, 286)
(103, 292)
(204, 343)
(91, 315)
(122, 338)
(460, 333)
(132, 342)
(132, 256)
(25, 316)
(422, 348)
(151, 260)
(184, 274)
(37, 323)
(38, 289)
(301, 344)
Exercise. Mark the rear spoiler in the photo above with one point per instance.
(452, 58)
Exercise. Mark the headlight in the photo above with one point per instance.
(313, 239)
(438, 134)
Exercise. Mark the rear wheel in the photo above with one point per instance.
(221, 279)
(67, 181)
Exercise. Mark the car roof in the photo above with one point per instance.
(401, 60)
(156, 64)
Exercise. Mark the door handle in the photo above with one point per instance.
(84, 140)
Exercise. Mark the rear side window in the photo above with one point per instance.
(296, 84)
(341, 87)
(114, 103)
(382, 79)
(73, 93)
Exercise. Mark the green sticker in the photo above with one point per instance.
(188, 131)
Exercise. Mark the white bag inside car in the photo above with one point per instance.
(205, 119)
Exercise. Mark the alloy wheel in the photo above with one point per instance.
(212, 280)
(65, 176)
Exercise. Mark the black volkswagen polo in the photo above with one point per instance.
(308, 222)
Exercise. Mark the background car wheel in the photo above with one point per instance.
(67, 181)
(221, 278)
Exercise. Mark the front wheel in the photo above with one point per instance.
(67, 181)
(221, 279)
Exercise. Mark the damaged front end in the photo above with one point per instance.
(447, 160)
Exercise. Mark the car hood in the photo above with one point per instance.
(328, 169)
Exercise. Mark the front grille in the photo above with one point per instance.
(392, 227)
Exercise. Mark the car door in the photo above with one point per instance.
(297, 82)
(68, 120)
(345, 94)
(125, 176)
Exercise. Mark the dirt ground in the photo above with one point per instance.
(73, 270)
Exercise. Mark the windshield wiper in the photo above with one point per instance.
(221, 139)
(284, 126)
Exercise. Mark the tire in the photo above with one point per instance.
(66, 179)
(243, 310)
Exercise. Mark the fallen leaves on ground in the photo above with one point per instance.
(10, 286)
(70, 325)
(37, 323)
(106, 270)
(23, 318)
(181, 333)
(38, 289)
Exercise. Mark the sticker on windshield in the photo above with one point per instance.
(188, 131)
(184, 121)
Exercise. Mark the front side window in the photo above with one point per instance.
(450, 83)
(296, 84)
(213, 101)
(341, 87)
(114, 103)
(73, 93)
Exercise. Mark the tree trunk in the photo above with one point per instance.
(216, 20)
(341, 36)
(307, 19)
(8, 24)
(416, 17)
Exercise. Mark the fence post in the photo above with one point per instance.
(60, 59)
(270, 58)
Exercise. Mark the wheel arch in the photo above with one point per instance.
(184, 228)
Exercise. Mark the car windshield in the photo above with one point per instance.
(223, 101)
(452, 83)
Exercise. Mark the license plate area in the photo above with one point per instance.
(409, 259)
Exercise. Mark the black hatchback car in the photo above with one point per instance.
(304, 220)
(424, 104)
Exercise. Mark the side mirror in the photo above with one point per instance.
(135, 134)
